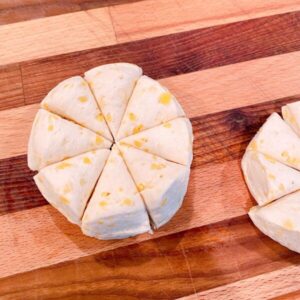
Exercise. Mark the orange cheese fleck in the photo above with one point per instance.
(86, 160)
(137, 129)
(64, 200)
(132, 117)
(83, 99)
(165, 98)
(63, 165)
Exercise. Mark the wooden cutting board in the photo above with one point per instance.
(230, 64)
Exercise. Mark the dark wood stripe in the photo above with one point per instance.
(11, 87)
(224, 136)
(17, 188)
(16, 11)
(219, 137)
(289, 296)
(166, 268)
(172, 54)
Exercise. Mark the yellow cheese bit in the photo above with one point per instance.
(138, 143)
(52, 117)
(82, 181)
(140, 187)
(83, 99)
(50, 128)
(103, 203)
(137, 129)
(293, 160)
(270, 158)
(64, 200)
(121, 189)
(157, 166)
(86, 160)
(63, 165)
(281, 187)
(165, 98)
(83, 83)
(287, 115)
(99, 140)
(271, 176)
(45, 105)
(285, 154)
(105, 194)
(132, 116)
(288, 224)
(127, 202)
(91, 84)
(101, 222)
(108, 117)
(67, 188)
(253, 145)
(100, 117)
(167, 125)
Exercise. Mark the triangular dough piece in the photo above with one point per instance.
(116, 209)
(162, 184)
(150, 104)
(73, 100)
(172, 140)
(291, 114)
(53, 139)
(112, 86)
(268, 179)
(67, 185)
(280, 220)
(277, 140)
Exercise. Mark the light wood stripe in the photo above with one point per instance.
(156, 18)
(93, 28)
(265, 286)
(15, 125)
(55, 35)
(200, 93)
(12, 11)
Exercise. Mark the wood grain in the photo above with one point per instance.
(170, 267)
(11, 87)
(220, 140)
(199, 93)
(156, 18)
(220, 137)
(97, 27)
(230, 63)
(181, 53)
(17, 188)
(15, 126)
(55, 35)
(12, 11)
(265, 286)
